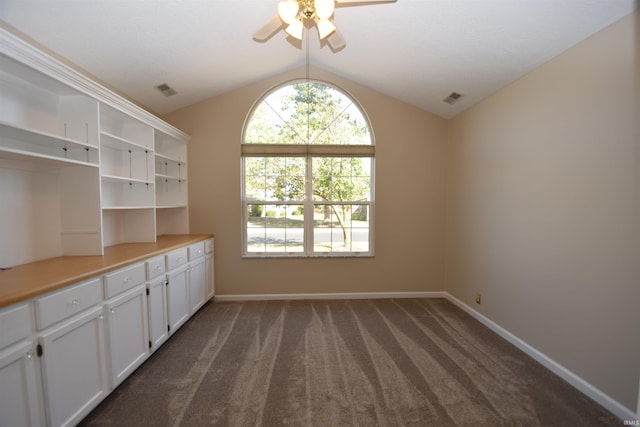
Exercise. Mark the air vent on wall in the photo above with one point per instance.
(166, 89)
(452, 98)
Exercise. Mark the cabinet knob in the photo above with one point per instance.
(127, 280)
(29, 355)
(100, 316)
(158, 267)
(75, 302)
(112, 310)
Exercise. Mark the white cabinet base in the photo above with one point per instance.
(157, 305)
(177, 298)
(197, 285)
(74, 367)
(128, 333)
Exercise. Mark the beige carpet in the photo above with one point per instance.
(400, 362)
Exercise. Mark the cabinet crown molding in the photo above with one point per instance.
(18, 49)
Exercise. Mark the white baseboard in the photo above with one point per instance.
(598, 396)
(320, 296)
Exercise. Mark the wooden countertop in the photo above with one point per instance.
(26, 281)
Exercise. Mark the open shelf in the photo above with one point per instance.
(128, 225)
(117, 192)
(116, 125)
(34, 143)
(78, 163)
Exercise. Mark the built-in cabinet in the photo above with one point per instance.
(106, 171)
(81, 170)
(63, 352)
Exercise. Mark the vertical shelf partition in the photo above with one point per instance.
(127, 171)
(171, 184)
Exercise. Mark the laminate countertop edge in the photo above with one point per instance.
(26, 281)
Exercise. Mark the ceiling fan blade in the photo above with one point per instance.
(268, 29)
(361, 2)
(336, 41)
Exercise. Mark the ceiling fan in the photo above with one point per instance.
(294, 14)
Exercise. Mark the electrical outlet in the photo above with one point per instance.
(478, 298)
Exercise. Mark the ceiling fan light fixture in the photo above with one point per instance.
(325, 27)
(288, 10)
(295, 29)
(324, 8)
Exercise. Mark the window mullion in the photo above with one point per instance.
(308, 207)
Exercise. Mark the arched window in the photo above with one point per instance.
(307, 174)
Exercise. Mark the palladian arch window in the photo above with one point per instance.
(307, 174)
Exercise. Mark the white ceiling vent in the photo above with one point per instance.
(166, 89)
(452, 98)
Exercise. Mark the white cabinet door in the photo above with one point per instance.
(157, 306)
(209, 269)
(74, 367)
(128, 332)
(19, 391)
(177, 298)
(196, 285)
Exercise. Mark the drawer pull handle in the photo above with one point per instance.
(127, 280)
(158, 267)
(180, 259)
(75, 302)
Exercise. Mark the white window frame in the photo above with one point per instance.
(308, 152)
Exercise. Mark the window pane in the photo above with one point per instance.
(264, 126)
(307, 113)
(285, 180)
(345, 125)
(341, 228)
(256, 227)
(254, 181)
(274, 178)
(275, 228)
(341, 179)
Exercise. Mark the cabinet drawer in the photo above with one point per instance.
(208, 246)
(62, 304)
(176, 258)
(196, 250)
(155, 267)
(123, 280)
(16, 325)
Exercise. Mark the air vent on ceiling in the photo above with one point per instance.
(452, 98)
(166, 89)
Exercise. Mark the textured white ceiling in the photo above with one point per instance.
(417, 51)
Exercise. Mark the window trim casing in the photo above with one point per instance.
(308, 151)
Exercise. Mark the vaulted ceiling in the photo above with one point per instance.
(418, 51)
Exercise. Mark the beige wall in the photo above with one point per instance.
(543, 214)
(409, 212)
